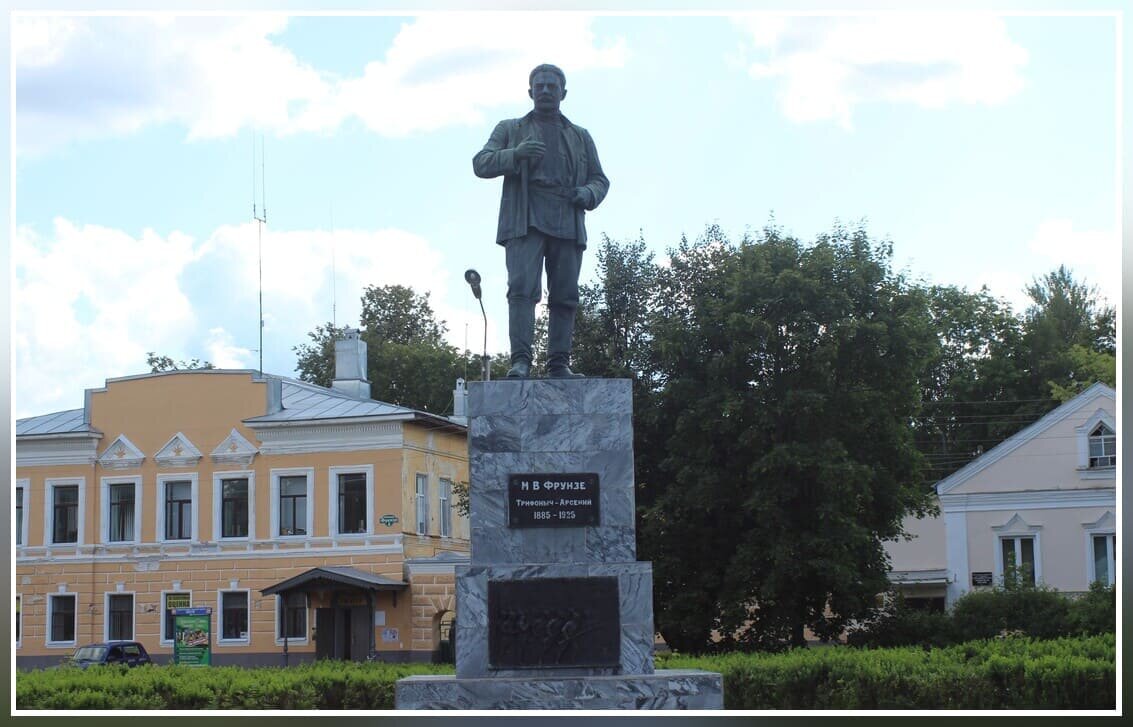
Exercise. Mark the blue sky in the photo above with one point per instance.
(984, 147)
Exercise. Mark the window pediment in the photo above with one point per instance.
(121, 454)
(178, 452)
(234, 450)
(1016, 526)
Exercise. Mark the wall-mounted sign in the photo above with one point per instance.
(539, 500)
(388, 520)
(389, 634)
(192, 636)
(981, 578)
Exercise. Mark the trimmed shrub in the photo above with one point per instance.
(1011, 673)
(1095, 612)
(896, 624)
(1036, 611)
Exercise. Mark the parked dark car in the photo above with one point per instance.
(130, 653)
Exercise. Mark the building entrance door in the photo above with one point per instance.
(343, 633)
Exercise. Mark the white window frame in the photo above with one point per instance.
(161, 607)
(106, 614)
(291, 640)
(444, 506)
(1102, 436)
(247, 639)
(218, 505)
(309, 473)
(1085, 471)
(50, 621)
(104, 494)
(194, 507)
(23, 485)
(332, 479)
(421, 504)
(19, 623)
(1017, 527)
(49, 511)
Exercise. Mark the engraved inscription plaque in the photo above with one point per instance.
(559, 622)
(537, 500)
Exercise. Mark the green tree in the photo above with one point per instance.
(788, 375)
(409, 364)
(159, 363)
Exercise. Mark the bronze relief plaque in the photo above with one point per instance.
(554, 622)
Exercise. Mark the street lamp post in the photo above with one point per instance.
(473, 279)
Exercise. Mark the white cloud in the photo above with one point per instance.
(1094, 256)
(86, 77)
(90, 302)
(826, 66)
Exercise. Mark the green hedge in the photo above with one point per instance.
(1011, 673)
(1023, 609)
(322, 685)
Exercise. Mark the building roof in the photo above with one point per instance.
(301, 402)
(304, 401)
(61, 422)
(332, 576)
(1021, 437)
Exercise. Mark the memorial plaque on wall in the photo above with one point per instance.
(554, 622)
(552, 500)
(981, 578)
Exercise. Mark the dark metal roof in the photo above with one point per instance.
(61, 422)
(334, 575)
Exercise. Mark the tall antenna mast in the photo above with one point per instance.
(261, 218)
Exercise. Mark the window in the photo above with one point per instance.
(234, 508)
(423, 504)
(178, 510)
(18, 624)
(19, 517)
(1105, 558)
(120, 616)
(446, 508)
(170, 601)
(61, 618)
(65, 514)
(1018, 559)
(122, 513)
(352, 503)
(291, 622)
(1103, 447)
(293, 505)
(234, 615)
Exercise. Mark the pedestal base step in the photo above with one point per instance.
(664, 689)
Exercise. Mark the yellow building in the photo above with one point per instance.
(311, 520)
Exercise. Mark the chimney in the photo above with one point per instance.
(460, 403)
(350, 365)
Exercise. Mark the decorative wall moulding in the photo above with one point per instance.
(178, 452)
(234, 450)
(122, 454)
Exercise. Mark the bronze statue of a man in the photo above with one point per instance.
(551, 177)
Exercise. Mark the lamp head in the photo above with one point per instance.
(473, 279)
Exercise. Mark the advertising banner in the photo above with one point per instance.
(192, 636)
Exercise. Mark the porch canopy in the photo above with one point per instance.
(348, 629)
(335, 578)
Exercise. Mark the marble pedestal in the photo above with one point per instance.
(550, 428)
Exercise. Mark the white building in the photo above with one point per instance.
(1044, 499)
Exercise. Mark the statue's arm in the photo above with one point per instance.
(596, 182)
(495, 159)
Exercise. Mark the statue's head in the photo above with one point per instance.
(546, 87)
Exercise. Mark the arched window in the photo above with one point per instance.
(1103, 446)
